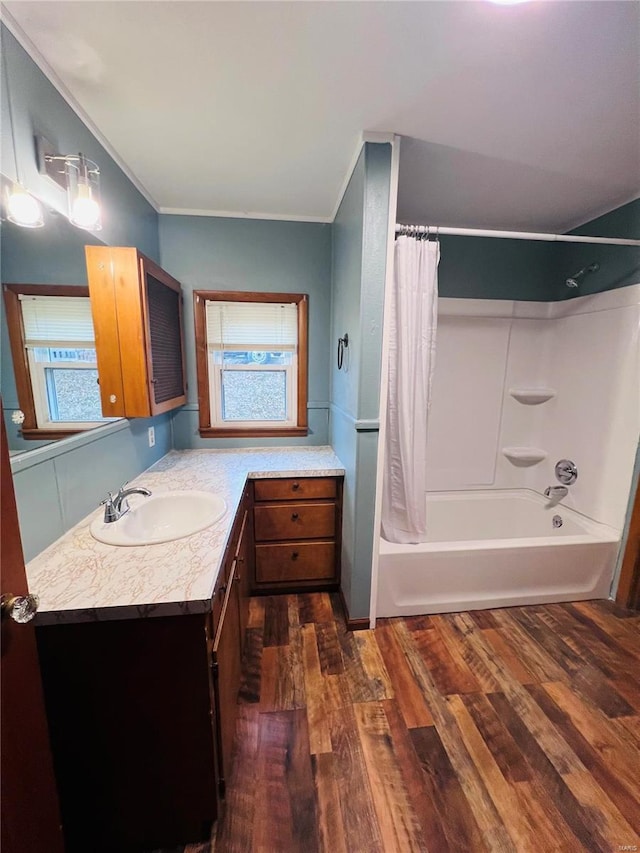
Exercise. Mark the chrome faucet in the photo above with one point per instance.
(556, 493)
(115, 506)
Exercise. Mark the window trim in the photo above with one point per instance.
(21, 368)
(200, 299)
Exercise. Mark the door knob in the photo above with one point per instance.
(20, 608)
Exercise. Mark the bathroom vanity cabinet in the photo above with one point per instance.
(297, 534)
(142, 715)
(137, 317)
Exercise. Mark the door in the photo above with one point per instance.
(30, 815)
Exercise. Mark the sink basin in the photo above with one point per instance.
(161, 518)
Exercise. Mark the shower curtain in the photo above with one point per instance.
(413, 320)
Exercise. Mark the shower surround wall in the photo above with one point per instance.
(586, 349)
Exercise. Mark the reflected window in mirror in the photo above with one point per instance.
(53, 349)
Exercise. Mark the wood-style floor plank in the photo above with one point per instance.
(330, 822)
(453, 811)
(319, 734)
(358, 810)
(501, 730)
(408, 695)
(416, 780)
(399, 826)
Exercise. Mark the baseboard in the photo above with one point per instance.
(361, 624)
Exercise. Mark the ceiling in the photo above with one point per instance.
(524, 116)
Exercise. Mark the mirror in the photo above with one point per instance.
(53, 254)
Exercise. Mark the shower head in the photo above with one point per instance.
(574, 281)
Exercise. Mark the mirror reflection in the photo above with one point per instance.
(48, 376)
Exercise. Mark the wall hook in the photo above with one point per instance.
(343, 344)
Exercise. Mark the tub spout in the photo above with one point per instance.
(556, 493)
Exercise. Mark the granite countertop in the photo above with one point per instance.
(79, 579)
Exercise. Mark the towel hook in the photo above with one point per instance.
(343, 344)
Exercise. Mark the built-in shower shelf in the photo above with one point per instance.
(523, 457)
(532, 396)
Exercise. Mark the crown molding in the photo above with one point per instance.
(249, 214)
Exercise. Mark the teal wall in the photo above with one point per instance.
(358, 278)
(489, 268)
(59, 484)
(215, 253)
(619, 265)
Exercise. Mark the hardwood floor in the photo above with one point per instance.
(505, 730)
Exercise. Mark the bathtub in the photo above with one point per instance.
(496, 549)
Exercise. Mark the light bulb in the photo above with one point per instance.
(85, 210)
(23, 209)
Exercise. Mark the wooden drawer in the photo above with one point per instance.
(295, 521)
(295, 561)
(304, 488)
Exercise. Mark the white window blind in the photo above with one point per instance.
(56, 319)
(240, 325)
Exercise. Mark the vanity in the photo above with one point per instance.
(141, 646)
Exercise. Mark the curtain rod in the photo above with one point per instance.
(437, 230)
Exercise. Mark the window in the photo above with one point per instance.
(252, 363)
(53, 348)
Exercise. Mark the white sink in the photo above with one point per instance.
(161, 518)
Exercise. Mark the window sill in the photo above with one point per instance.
(48, 434)
(269, 432)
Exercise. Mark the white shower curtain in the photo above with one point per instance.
(413, 321)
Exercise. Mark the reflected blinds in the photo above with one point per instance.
(50, 320)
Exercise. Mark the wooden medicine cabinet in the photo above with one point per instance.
(137, 317)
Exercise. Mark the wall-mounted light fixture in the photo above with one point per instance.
(80, 177)
(21, 207)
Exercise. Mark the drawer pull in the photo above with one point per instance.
(294, 555)
(295, 487)
(294, 516)
(222, 589)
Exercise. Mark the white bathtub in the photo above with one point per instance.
(496, 549)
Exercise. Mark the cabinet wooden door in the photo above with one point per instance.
(30, 813)
(244, 555)
(137, 319)
(226, 664)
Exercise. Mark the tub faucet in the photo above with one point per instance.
(115, 506)
(556, 493)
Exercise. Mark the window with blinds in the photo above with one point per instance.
(253, 349)
(255, 361)
(59, 341)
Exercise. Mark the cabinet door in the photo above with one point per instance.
(137, 318)
(242, 576)
(226, 675)
(112, 274)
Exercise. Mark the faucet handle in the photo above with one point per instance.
(110, 513)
